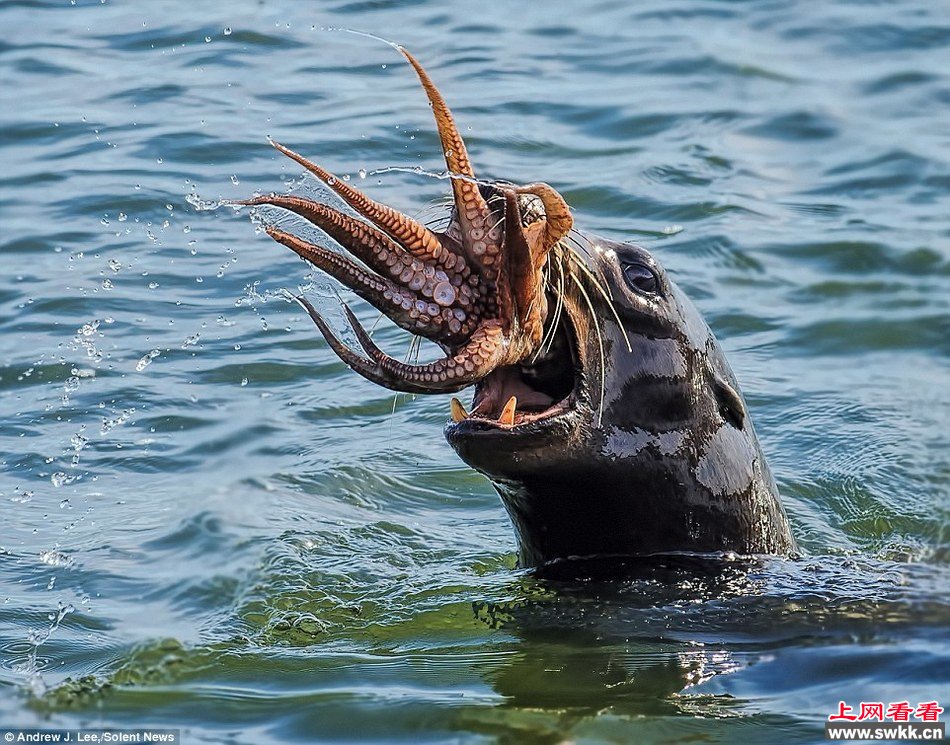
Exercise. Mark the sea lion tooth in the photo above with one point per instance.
(508, 413)
(458, 411)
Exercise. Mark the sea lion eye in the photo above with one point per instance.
(641, 278)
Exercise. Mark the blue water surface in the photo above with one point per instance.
(209, 523)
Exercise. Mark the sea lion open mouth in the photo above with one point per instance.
(545, 386)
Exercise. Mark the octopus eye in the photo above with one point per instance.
(641, 278)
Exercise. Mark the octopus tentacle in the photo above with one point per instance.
(370, 245)
(480, 238)
(444, 321)
(520, 266)
(416, 237)
(359, 364)
(475, 359)
(449, 374)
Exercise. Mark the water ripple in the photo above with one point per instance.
(210, 523)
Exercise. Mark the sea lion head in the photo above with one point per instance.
(631, 435)
(604, 411)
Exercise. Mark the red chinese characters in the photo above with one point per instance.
(871, 710)
(900, 711)
(844, 712)
(928, 711)
(897, 711)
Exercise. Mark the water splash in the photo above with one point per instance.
(108, 424)
(206, 205)
(147, 360)
(445, 175)
(37, 638)
(84, 340)
(56, 558)
(367, 34)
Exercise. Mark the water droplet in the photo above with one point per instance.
(234, 179)
(243, 382)
(362, 173)
(227, 30)
(186, 229)
(123, 217)
(146, 361)
(207, 39)
(88, 329)
(22, 497)
(60, 478)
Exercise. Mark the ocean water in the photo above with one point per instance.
(209, 523)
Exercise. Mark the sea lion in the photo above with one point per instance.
(604, 411)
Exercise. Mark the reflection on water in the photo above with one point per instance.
(208, 523)
(655, 647)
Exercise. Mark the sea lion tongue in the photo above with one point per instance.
(476, 289)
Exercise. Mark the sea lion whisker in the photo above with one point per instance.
(608, 299)
(548, 340)
(600, 344)
(559, 307)
(585, 247)
(498, 223)
(432, 210)
(580, 239)
(412, 353)
(549, 334)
